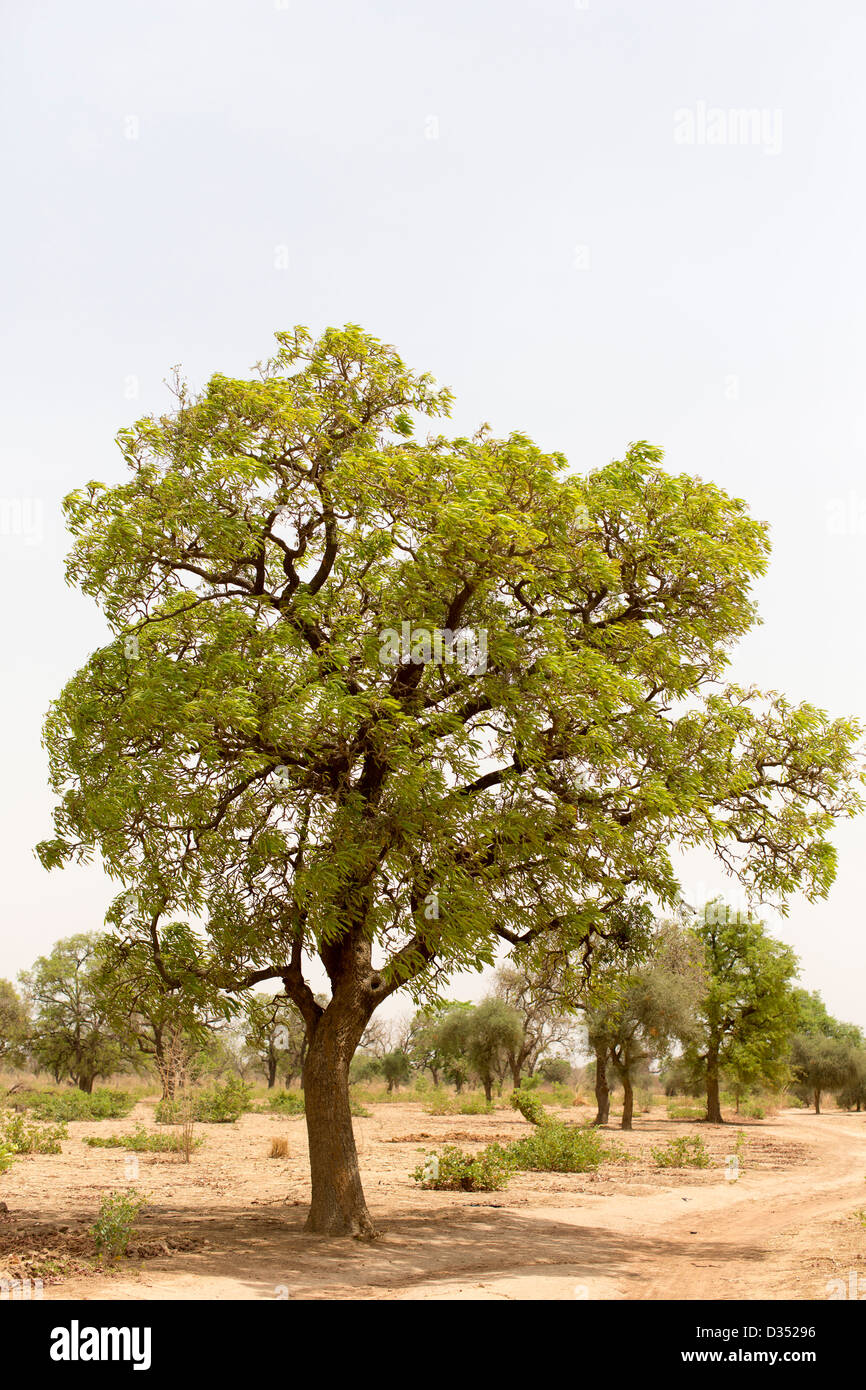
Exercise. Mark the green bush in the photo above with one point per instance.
(455, 1170)
(220, 1105)
(439, 1102)
(287, 1103)
(473, 1105)
(686, 1112)
(141, 1142)
(7, 1157)
(689, 1151)
(101, 1104)
(530, 1106)
(554, 1147)
(113, 1226)
(23, 1136)
(752, 1109)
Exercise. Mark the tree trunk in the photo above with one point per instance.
(602, 1090)
(627, 1099)
(272, 1072)
(514, 1063)
(85, 1084)
(714, 1104)
(337, 1206)
(488, 1089)
(817, 1095)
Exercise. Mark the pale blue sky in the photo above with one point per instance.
(502, 191)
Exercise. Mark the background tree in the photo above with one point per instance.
(151, 1023)
(822, 1063)
(826, 1054)
(426, 1043)
(274, 1033)
(72, 1033)
(275, 769)
(556, 1070)
(493, 1035)
(453, 1031)
(746, 1015)
(650, 1008)
(14, 1026)
(539, 998)
(396, 1069)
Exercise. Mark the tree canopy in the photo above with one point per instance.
(394, 702)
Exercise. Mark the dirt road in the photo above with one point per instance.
(232, 1219)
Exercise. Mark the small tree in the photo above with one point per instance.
(745, 1016)
(539, 997)
(651, 1008)
(396, 1069)
(556, 1070)
(14, 1026)
(822, 1063)
(494, 1032)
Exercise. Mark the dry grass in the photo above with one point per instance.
(279, 1148)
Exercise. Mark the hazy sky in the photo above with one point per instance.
(595, 222)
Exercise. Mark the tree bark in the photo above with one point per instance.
(627, 1099)
(337, 1206)
(602, 1090)
(817, 1095)
(272, 1072)
(85, 1084)
(714, 1105)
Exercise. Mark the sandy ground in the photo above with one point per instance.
(229, 1224)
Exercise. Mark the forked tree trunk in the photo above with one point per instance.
(602, 1090)
(337, 1206)
(714, 1104)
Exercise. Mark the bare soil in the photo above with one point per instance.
(229, 1225)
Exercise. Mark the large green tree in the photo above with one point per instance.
(747, 1012)
(395, 703)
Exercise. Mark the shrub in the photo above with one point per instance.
(689, 1151)
(555, 1147)
(473, 1105)
(279, 1148)
(141, 1142)
(7, 1157)
(439, 1102)
(455, 1170)
(752, 1109)
(113, 1226)
(218, 1106)
(23, 1136)
(562, 1095)
(686, 1112)
(101, 1104)
(529, 1106)
(287, 1103)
